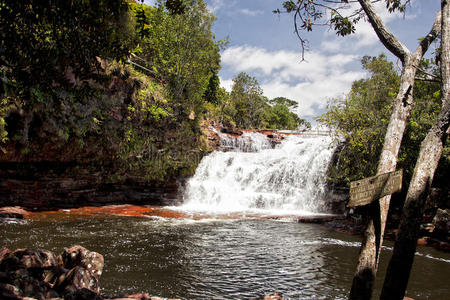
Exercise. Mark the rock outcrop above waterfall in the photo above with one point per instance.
(214, 132)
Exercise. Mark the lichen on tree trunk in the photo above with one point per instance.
(373, 238)
(399, 268)
(371, 245)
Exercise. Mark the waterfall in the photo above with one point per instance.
(252, 175)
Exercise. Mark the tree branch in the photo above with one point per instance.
(428, 73)
(383, 33)
(427, 79)
(431, 36)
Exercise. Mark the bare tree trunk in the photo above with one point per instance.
(430, 152)
(373, 237)
(364, 278)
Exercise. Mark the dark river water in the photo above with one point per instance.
(221, 259)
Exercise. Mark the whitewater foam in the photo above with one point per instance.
(257, 176)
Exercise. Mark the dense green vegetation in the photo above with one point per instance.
(47, 46)
(360, 119)
(67, 93)
(119, 87)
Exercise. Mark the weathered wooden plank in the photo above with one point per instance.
(367, 190)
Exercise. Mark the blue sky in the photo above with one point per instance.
(264, 45)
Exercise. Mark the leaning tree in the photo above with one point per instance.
(339, 15)
(400, 265)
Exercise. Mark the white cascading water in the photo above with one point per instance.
(252, 176)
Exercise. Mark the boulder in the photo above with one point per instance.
(441, 222)
(76, 279)
(14, 212)
(29, 274)
(38, 260)
(37, 273)
(30, 286)
(85, 267)
(91, 261)
(24, 270)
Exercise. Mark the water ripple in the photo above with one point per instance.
(236, 259)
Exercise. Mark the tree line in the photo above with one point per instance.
(246, 107)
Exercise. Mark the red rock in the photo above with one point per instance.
(422, 242)
(117, 210)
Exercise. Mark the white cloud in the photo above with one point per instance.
(280, 73)
(226, 83)
(331, 45)
(251, 13)
(215, 5)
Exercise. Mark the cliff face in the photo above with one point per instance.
(43, 189)
(117, 137)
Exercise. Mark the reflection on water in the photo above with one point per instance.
(213, 259)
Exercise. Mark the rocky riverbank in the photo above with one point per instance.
(39, 274)
(35, 274)
(435, 233)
